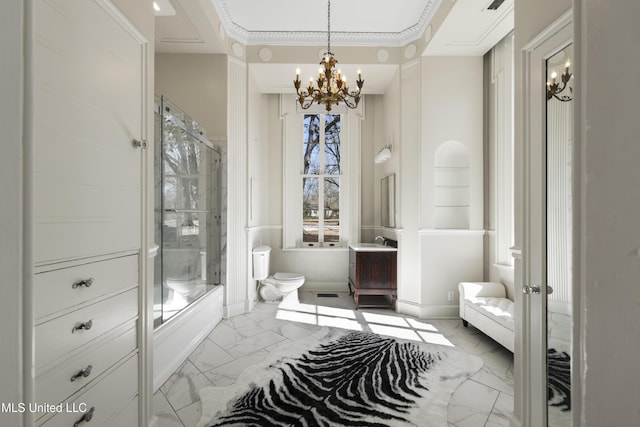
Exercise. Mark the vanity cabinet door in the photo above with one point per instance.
(376, 270)
(372, 274)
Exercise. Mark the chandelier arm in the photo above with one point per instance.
(331, 89)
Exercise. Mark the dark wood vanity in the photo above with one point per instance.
(373, 275)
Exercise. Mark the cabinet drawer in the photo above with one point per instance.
(55, 385)
(128, 417)
(107, 398)
(59, 289)
(58, 337)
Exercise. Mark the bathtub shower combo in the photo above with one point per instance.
(188, 210)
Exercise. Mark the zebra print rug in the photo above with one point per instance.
(343, 378)
(559, 387)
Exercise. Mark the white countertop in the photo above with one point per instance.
(371, 247)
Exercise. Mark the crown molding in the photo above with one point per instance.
(306, 38)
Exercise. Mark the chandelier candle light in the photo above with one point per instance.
(331, 87)
(553, 87)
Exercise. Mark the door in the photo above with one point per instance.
(559, 253)
(537, 224)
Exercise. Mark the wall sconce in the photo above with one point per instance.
(384, 154)
(554, 88)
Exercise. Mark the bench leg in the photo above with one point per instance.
(465, 323)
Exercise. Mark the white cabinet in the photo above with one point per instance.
(89, 82)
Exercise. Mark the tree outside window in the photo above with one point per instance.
(321, 179)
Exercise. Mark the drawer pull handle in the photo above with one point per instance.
(86, 417)
(84, 282)
(83, 326)
(82, 373)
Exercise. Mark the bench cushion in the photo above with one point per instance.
(499, 309)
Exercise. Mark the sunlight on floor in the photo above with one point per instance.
(340, 312)
(433, 338)
(338, 322)
(390, 331)
(295, 316)
(416, 324)
(385, 319)
(396, 326)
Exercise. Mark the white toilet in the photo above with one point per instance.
(278, 287)
(184, 291)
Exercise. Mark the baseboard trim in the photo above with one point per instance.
(235, 309)
(428, 311)
(325, 287)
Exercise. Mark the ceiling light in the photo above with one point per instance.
(163, 8)
(495, 4)
(331, 87)
(383, 155)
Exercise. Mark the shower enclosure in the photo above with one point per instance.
(188, 189)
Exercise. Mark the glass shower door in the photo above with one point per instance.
(189, 211)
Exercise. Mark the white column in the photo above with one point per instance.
(237, 252)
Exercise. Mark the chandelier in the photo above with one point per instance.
(331, 87)
(555, 88)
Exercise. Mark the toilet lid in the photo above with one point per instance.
(288, 276)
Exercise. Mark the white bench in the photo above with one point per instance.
(485, 305)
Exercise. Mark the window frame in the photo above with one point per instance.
(322, 175)
(292, 119)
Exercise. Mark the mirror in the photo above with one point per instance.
(559, 132)
(388, 201)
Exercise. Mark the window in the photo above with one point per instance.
(321, 179)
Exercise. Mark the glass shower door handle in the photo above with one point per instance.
(140, 143)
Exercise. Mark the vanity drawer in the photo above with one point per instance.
(55, 385)
(62, 288)
(59, 336)
(107, 398)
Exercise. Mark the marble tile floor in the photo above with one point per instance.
(486, 399)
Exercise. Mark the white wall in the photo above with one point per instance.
(452, 111)
(429, 101)
(197, 84)
(409, 184)
(11, 209)
(607, 209)
(259, 192)
(499, 177)
(239, 290)
(452, 101)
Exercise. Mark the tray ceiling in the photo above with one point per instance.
(304, 22)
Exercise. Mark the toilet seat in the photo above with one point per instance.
(288, 277)
(285, 282)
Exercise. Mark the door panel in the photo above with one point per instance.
(559, 121)
(87, 108)
(532, 272)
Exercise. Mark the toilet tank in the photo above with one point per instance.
(261, 262)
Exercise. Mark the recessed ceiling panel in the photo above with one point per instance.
(190, 30)
(471, 29)
(176, 28)
(353, 22)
